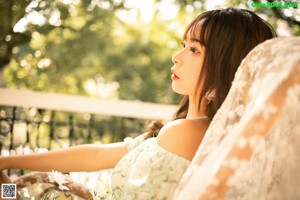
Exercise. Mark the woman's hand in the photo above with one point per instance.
(4, 178)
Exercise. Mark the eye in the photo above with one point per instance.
(191, 49)
(183, 44)
(194, 50)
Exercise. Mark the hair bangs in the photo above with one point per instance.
(198, 30)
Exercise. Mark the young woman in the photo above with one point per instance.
(149, 167)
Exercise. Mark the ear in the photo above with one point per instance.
(210, 96)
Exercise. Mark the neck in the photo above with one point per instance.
(194, 111)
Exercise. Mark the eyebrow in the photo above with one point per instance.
(198, 41)
(195, 40)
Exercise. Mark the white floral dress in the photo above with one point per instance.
(147, 172)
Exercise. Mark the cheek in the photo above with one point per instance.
(194, 83)
(186, 85)
(194, 78)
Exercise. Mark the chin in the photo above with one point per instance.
(175, 89)
(178, 90)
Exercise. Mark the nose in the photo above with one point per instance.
(176, 58)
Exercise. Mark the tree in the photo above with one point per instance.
(10, 13)
(69, 46)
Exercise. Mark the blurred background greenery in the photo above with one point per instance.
(105, 48)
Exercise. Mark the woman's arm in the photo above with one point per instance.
(78, 158)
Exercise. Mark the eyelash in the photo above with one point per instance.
(192, 49)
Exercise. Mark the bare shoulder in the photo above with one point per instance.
(182, 136)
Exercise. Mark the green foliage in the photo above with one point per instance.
(70, 44)
(90, 41)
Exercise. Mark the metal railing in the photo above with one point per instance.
(46, 120)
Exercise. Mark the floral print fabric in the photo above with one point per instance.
(147, 172)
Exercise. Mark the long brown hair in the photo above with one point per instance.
(228, 35)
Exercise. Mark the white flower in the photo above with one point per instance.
(58, 179)
(101, 191)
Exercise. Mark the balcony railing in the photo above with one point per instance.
(46, 120)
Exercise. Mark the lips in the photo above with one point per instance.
(174, 75)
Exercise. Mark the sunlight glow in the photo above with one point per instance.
(70, 2)
(100, 88)
(136, 10)
(44, 63)
(33, 17)
(168, 9)
(127, 16)
(215, 4)
(55, 18)
(20, 26)
(283, 28)
(145, 9)
(32, 4)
